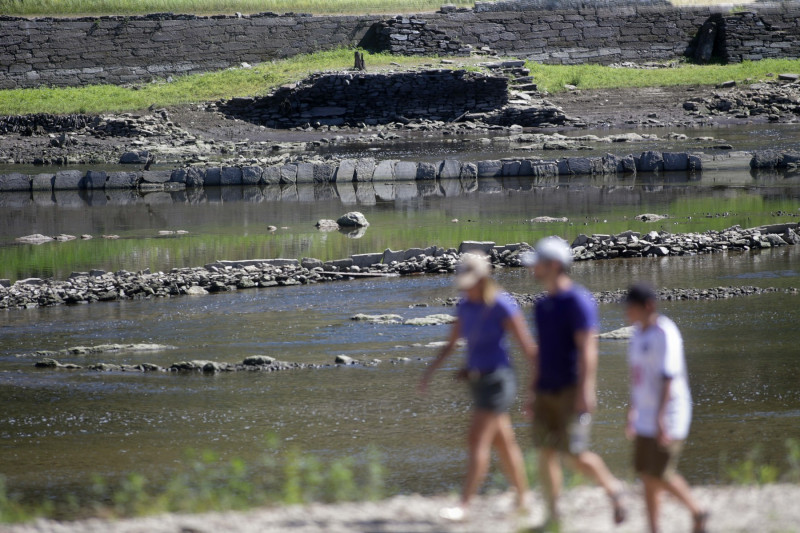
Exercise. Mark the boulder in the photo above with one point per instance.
(15, 182)
(675, 161)
(326, 224)
(134, 158)
(346, 171)
(353, 219)
(484, 247)
(310, 263)
(580, 165)
(231, 176)
(42, 182)
(405, 171)
(377, 319)
(469, 172)
(288, 174)
(251, 175)
(366, 260)
(96, 179)
(68, 180)
(271, 175)
(212, 177)
(618, 334)
(122, 180)
(364, 169)
(430, 320)
(258, 360)
(650, 161)
(324, 173)
(384, 171)
(305, 173)
(426, 172)
(391, 256)
(36, 238)
(650, 217)
(450, 169)
(490, 169)
(196, 290)
(156, 176)
(344, 360)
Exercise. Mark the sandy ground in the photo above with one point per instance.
(769, 509)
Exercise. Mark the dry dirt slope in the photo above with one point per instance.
(770, 509)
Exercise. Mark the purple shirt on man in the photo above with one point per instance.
(558, 318)
(484, 329)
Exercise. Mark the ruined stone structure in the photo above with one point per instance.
(72, 52)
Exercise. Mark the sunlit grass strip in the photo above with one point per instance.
(553, 77)
(205, 87)
(136, 7)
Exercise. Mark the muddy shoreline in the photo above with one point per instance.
(203, 133)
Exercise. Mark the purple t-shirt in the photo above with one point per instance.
(558, 317)
(483, 328)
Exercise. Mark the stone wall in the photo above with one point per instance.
(413, 36)
(117, 50)
(766, 34)
(375, 98)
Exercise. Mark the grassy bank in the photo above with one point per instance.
(266, 76)
(186, 89)
(138, 7)
(554, 77)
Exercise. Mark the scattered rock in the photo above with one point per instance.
(548, 220)
(36, 238)
(650, 217)
(325, 224)
(431, 320)
(618, 334)
(258, 360)
(378, 319)
(343, 360)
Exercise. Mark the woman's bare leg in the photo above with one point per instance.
(482, 432)
(510, 455)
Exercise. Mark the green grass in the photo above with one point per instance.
(205, 482)
(264, 77)
(186, 89)
(553, 77)
(136, 7)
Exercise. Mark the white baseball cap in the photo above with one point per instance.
(471, 269)
(549, 249)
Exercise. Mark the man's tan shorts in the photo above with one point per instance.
(553, 412)
(655, 460)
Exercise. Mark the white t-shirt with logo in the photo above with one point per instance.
(656, 353)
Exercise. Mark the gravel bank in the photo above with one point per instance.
(734, 509)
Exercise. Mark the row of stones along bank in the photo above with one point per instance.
(352, 170)
(223, 276)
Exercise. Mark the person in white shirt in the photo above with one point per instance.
(661, 405)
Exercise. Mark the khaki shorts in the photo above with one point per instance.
(553, 419)
(654, 460)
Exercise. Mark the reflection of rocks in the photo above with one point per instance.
(36, 238)
(106, 348)
(353, 233)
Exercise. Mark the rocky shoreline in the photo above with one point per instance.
(223, 276)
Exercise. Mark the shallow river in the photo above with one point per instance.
(59, 427)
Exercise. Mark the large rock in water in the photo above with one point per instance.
(353, 219)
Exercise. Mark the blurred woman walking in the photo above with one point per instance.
(484, 316)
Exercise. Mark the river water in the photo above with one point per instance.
(59, 427)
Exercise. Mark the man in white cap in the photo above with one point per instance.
(562, 393)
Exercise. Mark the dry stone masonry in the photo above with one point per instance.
(375, 98)
(118, 50)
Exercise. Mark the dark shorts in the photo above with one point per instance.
(494, 391)
(655, 460)
(555, 422)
